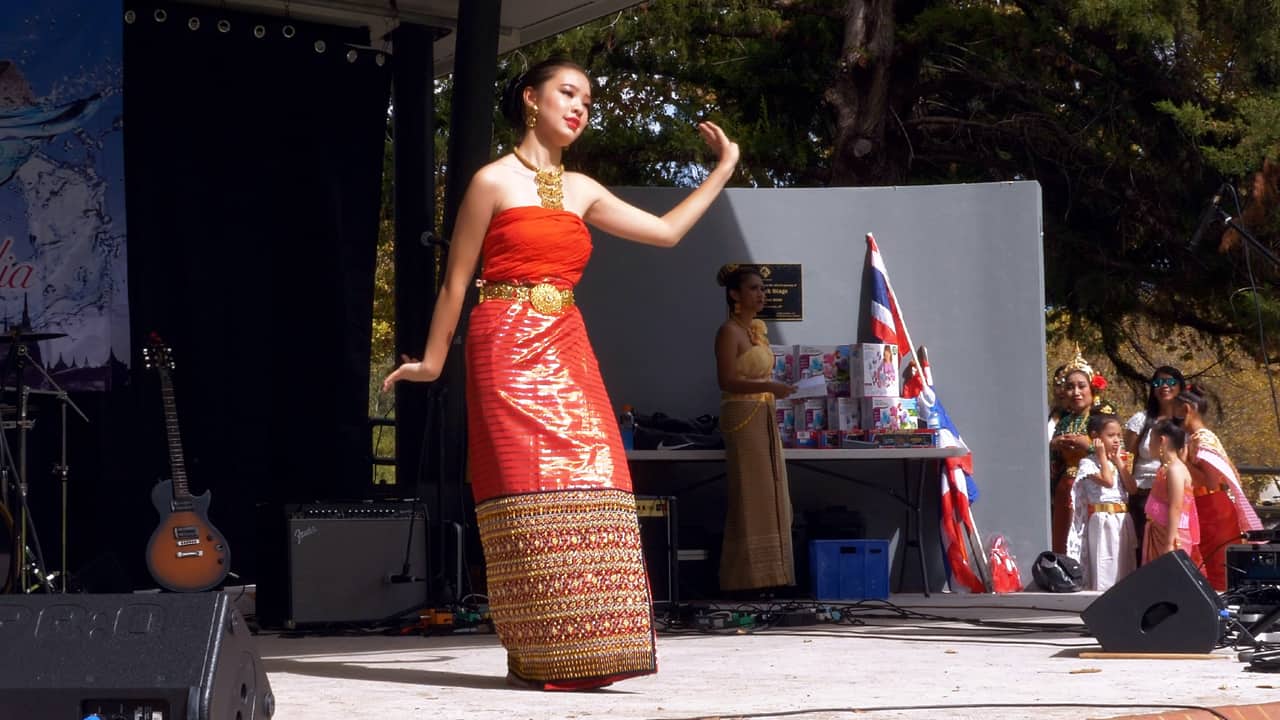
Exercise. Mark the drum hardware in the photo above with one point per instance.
(29, 557)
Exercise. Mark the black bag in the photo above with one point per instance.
(701, 425)
(647, 438)
(1057, 573)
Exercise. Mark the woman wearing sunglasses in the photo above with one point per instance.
(1163, 389)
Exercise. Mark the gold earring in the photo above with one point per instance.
(737, 308)
(531, 116)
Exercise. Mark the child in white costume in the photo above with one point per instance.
(1102, 536)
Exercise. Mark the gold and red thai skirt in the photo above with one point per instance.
(567, 586)
(568, 590)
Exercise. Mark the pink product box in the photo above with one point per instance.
(812, 360)
(891, 414)
(815, 413)
(786, 415)
(837, 367)
(844, 413)
(875, 374)
(784, 363)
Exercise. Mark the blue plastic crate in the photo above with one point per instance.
(849, 569)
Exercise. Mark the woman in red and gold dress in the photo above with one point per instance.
(567, 586)
(1222, 508)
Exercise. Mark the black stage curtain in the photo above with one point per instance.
(253, 169)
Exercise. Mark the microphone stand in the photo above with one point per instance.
(1230, 221)
(61, 469)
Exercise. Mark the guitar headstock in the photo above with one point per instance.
(156, 355)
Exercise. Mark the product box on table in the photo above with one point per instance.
(849, 569)
(914, 438)
(843, 413)
(811, 414)
(784, 363)
(894, 413)
(806, 439)
(875, 374)
(830, 439)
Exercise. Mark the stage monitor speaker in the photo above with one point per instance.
(346, 564)
(1165, 606)
(153, 656)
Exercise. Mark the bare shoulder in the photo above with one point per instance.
(490, 176)
(584, 186)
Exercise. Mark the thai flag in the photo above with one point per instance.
(958, 530)
(886, 320)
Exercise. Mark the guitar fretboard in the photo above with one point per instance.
(177, 465)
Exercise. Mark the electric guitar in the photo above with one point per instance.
(186, 552)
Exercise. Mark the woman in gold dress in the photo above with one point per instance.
(757, 535)
(567, 586)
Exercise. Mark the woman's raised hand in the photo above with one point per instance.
(724, 148)
(411, 370)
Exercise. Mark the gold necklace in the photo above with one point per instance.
(752, 333)
(550, 183)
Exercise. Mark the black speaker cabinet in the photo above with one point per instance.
(1165, 606)
(659, 542)
(345, 564)
(154, 656)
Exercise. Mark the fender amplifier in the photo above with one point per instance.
(346, 563)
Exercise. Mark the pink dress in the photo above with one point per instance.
(1155, 537)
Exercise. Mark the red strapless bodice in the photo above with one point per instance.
(535, 243)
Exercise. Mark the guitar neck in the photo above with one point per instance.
(177, 466)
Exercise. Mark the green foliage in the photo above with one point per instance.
(1127, 112)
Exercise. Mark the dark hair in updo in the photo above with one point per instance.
(513, 94)
(1172, 429)
(1194, 396)
(730, 277)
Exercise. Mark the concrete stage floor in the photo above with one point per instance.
(815, 672)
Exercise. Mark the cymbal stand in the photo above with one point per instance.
(24, 514)
(18, 356)
(61, 469)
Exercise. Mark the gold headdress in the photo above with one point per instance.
(1078, 364)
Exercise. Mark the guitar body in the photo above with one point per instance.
(186, 552)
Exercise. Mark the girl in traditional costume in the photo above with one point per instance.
(1102, 536)
(1221, 505)
(1171, 507)
(757, 549)
(567, 586)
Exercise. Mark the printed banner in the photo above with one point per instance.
(62, 225)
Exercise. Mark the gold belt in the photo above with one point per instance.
(1107, 508)
(1200, 491)
(543, 297)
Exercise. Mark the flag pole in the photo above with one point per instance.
(911, 347)
(979, 560)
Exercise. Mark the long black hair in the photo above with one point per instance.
(513, 95)
(1153, 400)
